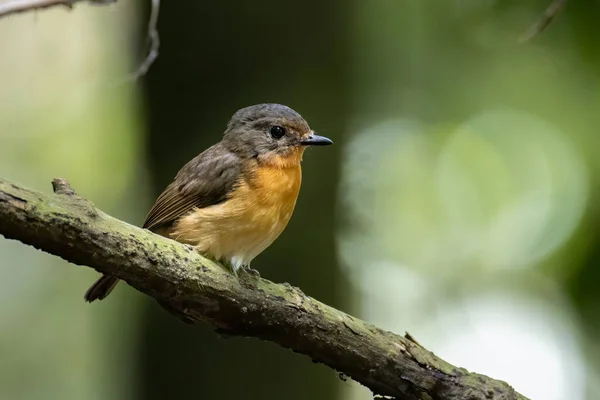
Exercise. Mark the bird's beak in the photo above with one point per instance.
(315, 140)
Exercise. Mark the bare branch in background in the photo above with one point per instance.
(154, 39)
(21, 6)
(195, 290)
(544, 21)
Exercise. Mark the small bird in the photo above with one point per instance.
(234, 199)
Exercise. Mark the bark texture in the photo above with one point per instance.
(195, 289)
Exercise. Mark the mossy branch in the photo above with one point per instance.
(198, 290)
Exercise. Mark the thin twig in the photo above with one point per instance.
(154, 39)
(544, 21)
(21, 6)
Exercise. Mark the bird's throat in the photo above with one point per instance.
(292, 159)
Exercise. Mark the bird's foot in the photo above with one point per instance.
(252, 272)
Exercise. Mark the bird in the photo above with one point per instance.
(234, 199)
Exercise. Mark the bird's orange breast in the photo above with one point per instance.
(253, 216)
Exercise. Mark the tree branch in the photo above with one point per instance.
(154, 39)
(196, 289)
(549, 14)
(21, 6)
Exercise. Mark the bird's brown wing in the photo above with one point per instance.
(204, 181)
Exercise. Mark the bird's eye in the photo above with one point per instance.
(277, 132)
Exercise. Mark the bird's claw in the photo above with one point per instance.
(252, 272)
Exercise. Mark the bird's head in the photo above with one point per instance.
(271, 133)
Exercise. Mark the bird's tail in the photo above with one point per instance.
(101, 288)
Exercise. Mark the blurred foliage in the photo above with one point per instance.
(477, 215)
(61, 116)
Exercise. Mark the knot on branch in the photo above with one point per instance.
(62, 186)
